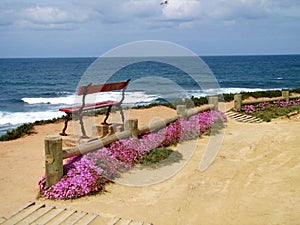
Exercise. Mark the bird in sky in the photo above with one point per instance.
(164, 3)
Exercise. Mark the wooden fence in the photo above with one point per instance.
(238, 102)
(54, 154)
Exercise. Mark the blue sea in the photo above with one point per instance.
(35, 88)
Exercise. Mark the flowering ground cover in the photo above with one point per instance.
(269, 110)
(88, 174)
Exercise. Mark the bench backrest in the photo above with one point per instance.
(91, 89)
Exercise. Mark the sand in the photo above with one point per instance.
(253, 180)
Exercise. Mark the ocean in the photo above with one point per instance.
(35, 88)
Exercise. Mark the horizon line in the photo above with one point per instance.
(204, 55)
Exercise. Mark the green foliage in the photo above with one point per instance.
(20, 131)
(199, 101)
(26, 129)
(260, 94)
(215, 128)
(170, 105)
(272, 112)
(160, 156)
(228, 97)
(296, 90)
(43, 122)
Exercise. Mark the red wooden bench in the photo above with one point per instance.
(92, 89)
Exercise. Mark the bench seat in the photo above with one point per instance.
(98, 105)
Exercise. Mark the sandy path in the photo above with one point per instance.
(254, 180)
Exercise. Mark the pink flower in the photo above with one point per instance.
(88, 174)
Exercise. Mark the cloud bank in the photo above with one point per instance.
(121, 21)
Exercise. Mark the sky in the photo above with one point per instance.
(89, 28)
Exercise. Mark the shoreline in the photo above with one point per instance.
(27, 127)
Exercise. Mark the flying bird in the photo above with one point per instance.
(164, 3)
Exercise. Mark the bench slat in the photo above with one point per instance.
(75, 109)
(103, 87)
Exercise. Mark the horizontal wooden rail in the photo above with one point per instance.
(294, 97)
(260, 100)
(157, 125)
(94, 145)
(100, 143)
(238, 102)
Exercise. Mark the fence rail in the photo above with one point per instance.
(238, 102)
(54, 154)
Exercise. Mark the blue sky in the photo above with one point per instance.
(75, 28)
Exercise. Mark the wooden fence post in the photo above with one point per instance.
(53, 160)
(132, 126)
(238, 101)
(181, 111)
(214, 100)
(286, 95)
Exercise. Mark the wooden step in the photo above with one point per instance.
(243, 118)
(41, 214)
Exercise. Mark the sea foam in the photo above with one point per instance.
(16, 118)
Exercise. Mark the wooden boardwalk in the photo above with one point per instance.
(243, 118)
(39, 213)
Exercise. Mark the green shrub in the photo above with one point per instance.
(20, 131)
(272, 112)
(160, 156)
(26, 129)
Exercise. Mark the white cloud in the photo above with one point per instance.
(114, 22)
(149, 13)
(182, 9)
(46, 16)
(140, 9)
(52, 15)
(229, 10)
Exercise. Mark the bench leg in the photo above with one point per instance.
(82, 126)
(107, 115)
(122, 115)
(63, 133)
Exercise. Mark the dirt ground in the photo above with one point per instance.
(253, 180)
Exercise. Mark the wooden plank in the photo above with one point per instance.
(239, 116)
(23, 214)
(75, 218)
(138, 223)
(249, 119)
(126, 222)
(37, 214)
(15, 212)
(114, 221)
(249, 102)
(94, 145)
(48, 217)
(75, 109)
(2, 220)
(63, 216)
(230, 114)
(293, 97)
(194, 111)
(87, 219)
(103, 87)
(235, 115)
